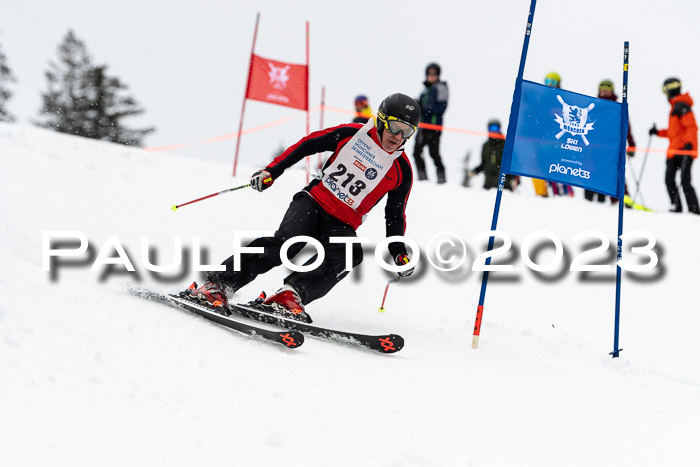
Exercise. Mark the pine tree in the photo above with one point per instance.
(5, 94)
(84, 100)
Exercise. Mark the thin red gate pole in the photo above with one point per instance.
(323, 109)
(307, 97)
(245, 96)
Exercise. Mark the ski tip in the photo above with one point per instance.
(391, 343)
(174, 208)
(292, 339)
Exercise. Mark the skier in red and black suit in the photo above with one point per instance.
(367, 163)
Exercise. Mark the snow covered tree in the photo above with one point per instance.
(83, 100)
(107, 106)
(5, 94)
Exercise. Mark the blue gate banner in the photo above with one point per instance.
(569, 138)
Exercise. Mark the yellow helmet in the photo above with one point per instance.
(552, 79)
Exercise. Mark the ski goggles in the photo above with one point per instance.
(396, 126)
(494, 128)
(551, 81)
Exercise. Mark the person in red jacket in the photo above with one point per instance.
(367, 163)
(682, 133)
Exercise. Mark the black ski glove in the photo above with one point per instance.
(653, 130)
(402, 259)
(261, 180)
(687, 147)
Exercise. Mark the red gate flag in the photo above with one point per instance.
(278, 83)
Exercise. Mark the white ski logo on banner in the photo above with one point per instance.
(574, 120)
(278, 76)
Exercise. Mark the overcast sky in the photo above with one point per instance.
(186, 62)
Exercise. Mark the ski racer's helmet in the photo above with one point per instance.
(433, 66)
(400, 114)
(552, 79)
(672, 87)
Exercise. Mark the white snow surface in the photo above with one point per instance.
(90, 375)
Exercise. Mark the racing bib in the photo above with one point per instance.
(358, 168)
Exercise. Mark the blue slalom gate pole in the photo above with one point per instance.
(621, 206)
(507, 155)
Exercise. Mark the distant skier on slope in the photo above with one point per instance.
(606, 90)
(433, 101)
(367, 163)
(682, 133)
(491, 157)
(363, 112)
(553, 79)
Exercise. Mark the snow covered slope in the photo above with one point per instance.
(90, 375)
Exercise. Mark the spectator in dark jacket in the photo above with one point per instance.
(433, 102)
(491, 156)
(606, 90)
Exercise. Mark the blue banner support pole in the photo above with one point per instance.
(621, 206)
(505, 162)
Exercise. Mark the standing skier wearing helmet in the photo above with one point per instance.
(606, 90)
(553, 79)
(683, 135)
(367, 163)
(363, 112)
(491, 157)
(433, 102)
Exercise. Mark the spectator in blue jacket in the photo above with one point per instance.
(433, 102)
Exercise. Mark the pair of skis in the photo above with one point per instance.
(292, 334)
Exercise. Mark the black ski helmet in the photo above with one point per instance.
(432, 66)
(672, 87)
(400, 106)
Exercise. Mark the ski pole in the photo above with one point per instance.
(641, 172)
(631, 167)
(398, 278)
(175, 206)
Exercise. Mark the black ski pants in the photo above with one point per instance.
(303, 217)
(430, 138)
(590, 195)
(684, 163)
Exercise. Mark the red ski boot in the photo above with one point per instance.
(208, 294)
(287, 303)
